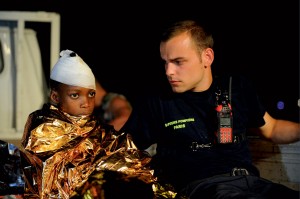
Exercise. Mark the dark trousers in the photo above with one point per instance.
(238, 187)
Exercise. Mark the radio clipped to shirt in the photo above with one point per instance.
(224, 119)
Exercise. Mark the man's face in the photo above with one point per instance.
(185, 67)
(74, 100)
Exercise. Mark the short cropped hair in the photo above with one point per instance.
(202, 38)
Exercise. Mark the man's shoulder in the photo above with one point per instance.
(227, 76)
(232, 79)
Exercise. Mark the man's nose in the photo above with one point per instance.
(169, 69)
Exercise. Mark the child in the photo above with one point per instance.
(63, 143)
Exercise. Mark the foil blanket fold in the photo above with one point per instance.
(62, 154)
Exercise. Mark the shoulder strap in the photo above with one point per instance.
(223, 88)
(229, 90)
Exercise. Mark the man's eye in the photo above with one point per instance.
(74, 95)
(92, 94)
(177, 62)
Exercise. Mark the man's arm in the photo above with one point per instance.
(121, 110)
(280, 131)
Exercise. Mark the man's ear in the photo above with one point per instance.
(208, 58)
(54, 97)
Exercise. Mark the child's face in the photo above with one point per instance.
(74, 100)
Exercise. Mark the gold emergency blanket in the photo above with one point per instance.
(59, 152)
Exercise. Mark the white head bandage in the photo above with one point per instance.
(70, 69)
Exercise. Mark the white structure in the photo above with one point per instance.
(278, 163)
(22, 80)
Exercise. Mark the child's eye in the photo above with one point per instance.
(74, 95)
(92, 94)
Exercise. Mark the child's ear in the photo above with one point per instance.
(54, 97)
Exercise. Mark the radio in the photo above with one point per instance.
(224, 119)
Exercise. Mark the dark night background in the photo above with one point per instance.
(120, 42)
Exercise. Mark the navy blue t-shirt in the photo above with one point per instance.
(174, 121)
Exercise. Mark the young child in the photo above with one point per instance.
(63, 143)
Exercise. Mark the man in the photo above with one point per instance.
(110, 107)
(200, 128)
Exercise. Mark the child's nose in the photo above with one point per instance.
(85, 102)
